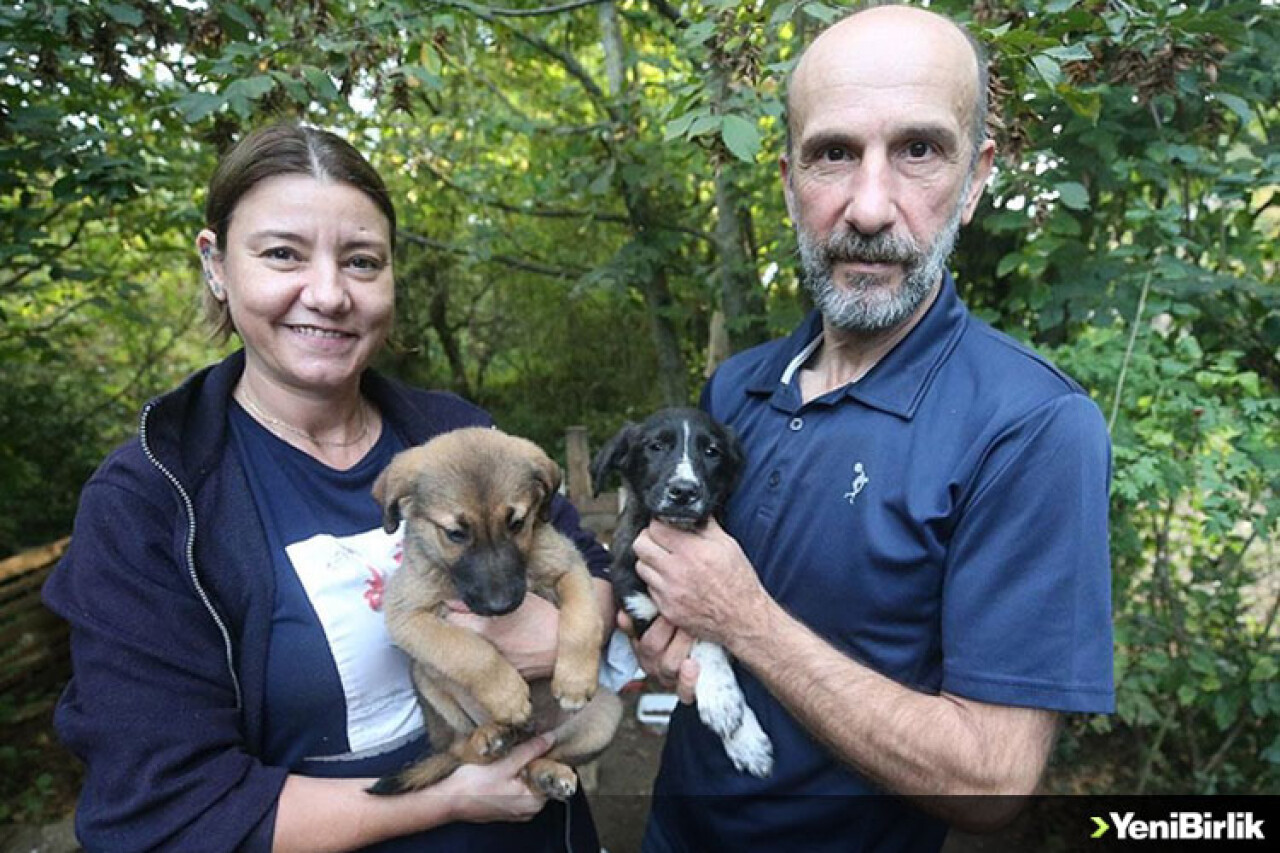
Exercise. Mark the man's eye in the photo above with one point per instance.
(919, 150)
(835, 154)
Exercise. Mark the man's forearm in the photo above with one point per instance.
(911, 743)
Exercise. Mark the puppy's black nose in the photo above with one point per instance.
(682, 494)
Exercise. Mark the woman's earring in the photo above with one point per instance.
(215, 286)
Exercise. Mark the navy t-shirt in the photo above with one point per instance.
(339, 699)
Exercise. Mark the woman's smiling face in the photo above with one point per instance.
(307, 277)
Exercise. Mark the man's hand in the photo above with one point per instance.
(526, 636)
(701, 581)
(663, 653)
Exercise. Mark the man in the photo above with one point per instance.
(915, 577)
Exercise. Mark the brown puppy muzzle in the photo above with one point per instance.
(491, 579)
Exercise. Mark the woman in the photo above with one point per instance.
(234, 685)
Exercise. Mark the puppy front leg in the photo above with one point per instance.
(466, 658)
(577, 667)
(631, 593)
(723, 707)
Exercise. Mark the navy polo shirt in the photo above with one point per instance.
(944, 521)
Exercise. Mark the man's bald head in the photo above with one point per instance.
(893, 35)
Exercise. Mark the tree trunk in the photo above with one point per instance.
(652, 283)
(615, 50)
(741, 294)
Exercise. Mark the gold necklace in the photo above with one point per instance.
(301, 433)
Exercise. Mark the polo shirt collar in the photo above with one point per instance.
(897, 383)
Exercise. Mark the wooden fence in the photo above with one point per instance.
(599, 514)
(34, 658)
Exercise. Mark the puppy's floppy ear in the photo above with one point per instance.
(610, 457)
(391, 488)
(547, 478)
(735, 458)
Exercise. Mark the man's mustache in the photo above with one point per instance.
(851, 247)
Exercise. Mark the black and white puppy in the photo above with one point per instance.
(680, 466)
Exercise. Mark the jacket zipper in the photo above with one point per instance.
(190, 508)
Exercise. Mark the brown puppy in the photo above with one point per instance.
(476, 504)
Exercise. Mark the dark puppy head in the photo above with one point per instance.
(472, 499)
(679, 464)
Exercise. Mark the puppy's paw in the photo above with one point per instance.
(488, 743)
(640, 607)
(749, 748)
(573, 686)
(557, 781)
(507, 700)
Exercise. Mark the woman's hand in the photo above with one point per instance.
(526, 636)
(331, 815)
(489, 793)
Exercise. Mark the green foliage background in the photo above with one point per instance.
(582, 184)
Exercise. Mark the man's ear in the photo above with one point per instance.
(982, 166)
(784, 169)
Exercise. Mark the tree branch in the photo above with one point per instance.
(533, 13)
(535, 267)
(14, 280)
(571, 65)
(554, 212)
(671, 13)
(1128, 353)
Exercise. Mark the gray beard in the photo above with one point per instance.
(866, 302)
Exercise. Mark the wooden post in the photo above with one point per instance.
(599, 514)
(578, 458)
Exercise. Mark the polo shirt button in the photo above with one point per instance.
(796, 424)
(774, 479)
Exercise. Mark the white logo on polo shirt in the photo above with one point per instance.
(860, 480)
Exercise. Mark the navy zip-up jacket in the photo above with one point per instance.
(168, 588)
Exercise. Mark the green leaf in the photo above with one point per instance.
(126, 15)
(824, 13)
(1008, 264)
(238, 15)
(741, 137)
(1047, 68)
(197, 106)
(704, 124)
(1070, 53)
(422, 75)
(250, 88)
(699, 32)
(1073, 195)
(1236, 104)
(678, 127)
